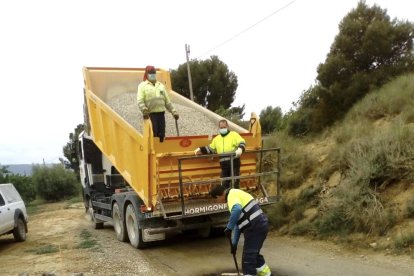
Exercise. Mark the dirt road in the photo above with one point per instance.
(61, 241)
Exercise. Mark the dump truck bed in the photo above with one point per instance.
(148, 166)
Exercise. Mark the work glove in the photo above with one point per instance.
(145, 114)
(197, 151)
(175, 114)
(233, 249)
(227, 232)
(239, 152)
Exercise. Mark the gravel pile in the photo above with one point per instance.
(191, 122)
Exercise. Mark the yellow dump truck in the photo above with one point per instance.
(146, 188)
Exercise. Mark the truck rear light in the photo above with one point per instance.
(145, 209)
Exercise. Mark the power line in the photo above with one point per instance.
(248, 28)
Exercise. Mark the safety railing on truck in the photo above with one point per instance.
(257, 183)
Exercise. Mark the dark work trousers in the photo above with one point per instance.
(226, 172)
(158, 124)
(254, 236)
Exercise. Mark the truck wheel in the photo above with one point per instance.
(96, 225)
(119, 224)
(132, 225)
(19, 232)
(86, 204)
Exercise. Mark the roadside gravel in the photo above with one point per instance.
(60, 226)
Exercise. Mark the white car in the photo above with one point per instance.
(13, 215)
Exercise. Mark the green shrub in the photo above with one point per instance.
(404, 241)
(307, 198)
(375, 156)
(309, 194)
(278, 214)
(331, 222)
(392, 99)
(410, 207)
(55, 183)
(296, 164)
(302, 228)
(352, 129)
(353, 207)
(24, 185)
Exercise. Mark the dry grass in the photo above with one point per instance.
(371, 150)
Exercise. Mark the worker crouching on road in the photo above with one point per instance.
(153, 99)
(226, 142)
(246, 217)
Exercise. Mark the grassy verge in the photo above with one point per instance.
(86, 240)
(44, 249)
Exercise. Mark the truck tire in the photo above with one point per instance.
(96, 225)
(132, 226)
(86, 204)
(19, 232)
(119, 223)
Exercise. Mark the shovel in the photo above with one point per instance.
(235, 263)
(176, 127)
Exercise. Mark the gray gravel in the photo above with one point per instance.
(191, 122)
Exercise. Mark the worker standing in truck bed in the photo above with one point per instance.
(224, 143)
(153, 99)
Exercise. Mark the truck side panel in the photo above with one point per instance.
(151, 167)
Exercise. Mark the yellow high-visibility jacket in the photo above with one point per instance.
(153, 97)
(225, 144)
(236, 196)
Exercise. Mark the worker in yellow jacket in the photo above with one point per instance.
(246, 217)
(153, 100)
(226, 142)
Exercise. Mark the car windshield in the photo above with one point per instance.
(10, 193)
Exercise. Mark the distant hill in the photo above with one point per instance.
(22, 169)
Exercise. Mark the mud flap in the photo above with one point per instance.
(147, 237)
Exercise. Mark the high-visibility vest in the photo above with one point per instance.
(226, 144)
(250, 207)
(154, 97)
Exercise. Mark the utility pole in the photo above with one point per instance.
(187, 52)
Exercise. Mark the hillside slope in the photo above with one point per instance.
(354, 182)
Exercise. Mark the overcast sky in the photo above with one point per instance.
(273, 46)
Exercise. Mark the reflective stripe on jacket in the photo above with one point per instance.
(250, 207)
(154, 97)
(226, 144)
(248, 214)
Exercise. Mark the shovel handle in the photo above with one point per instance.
(234, 257)
(176, 127)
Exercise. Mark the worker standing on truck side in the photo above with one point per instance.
(226, 142)
(153, 99)
(246, 217)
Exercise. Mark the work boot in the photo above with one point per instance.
(264, 271)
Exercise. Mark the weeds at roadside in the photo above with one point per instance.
(410, 207)
(404, 243)
(73, 200)
(35, 207)
(44, 249)
(302, 228)
(86, 240)
(278, 214)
